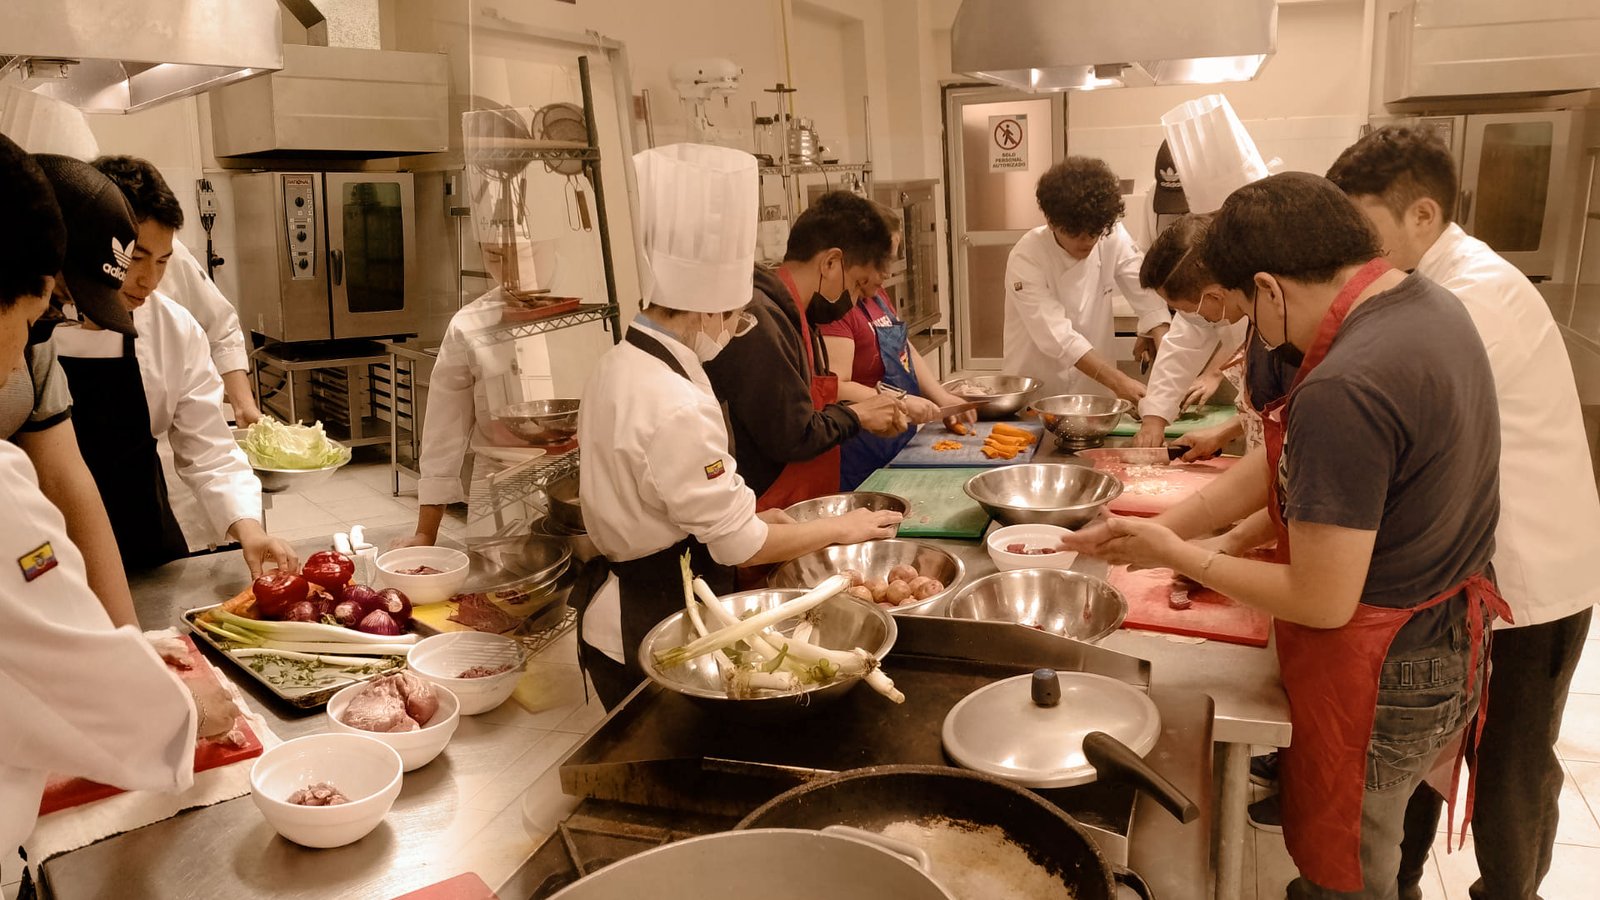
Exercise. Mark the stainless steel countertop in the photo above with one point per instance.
(1251, 707)
(442, 824)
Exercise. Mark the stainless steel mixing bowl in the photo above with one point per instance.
(1003, 395)
(1070, 604)
(874, 559)
(830, 505)
(1080, 420)
(1060, 494)
(540, 421)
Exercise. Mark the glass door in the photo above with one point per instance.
(1511, 164)
(997, 144)
(371, 253)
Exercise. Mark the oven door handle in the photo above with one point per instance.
(336, 266)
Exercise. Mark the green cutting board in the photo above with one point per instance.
(939, 506)
(1200, 417)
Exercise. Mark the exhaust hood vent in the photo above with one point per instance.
(124, 57)
(1486, 48)
(1078, 45)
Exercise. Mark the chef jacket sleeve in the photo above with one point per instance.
(187, 283)
(77, 696)
(204, 452)
(763, 379)
(52, 401)
(1152, 310)
(1183, 355)
(690, 469)
(1042, 312)
(447, 424)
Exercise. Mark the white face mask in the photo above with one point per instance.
(707, 347)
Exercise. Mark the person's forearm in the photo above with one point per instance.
(1272, 588)
(1256, 530)
(236, 385)
(853, 392)
(785, 542)
(428, 519)
(1096, 366)
(1236, 493)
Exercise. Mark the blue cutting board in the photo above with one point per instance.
(919, 454)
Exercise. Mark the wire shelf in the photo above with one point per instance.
(547, 629)
(508, 331)
(816, 168)
(481, 155)
(516, 484)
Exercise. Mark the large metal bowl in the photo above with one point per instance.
(1043, 493)
(874, 559)
(284, 481)
(1070, 604)
(842, 623)
(1080, 420)
(830, 505)
(520, 575)
(540, 421)
(1003, 395)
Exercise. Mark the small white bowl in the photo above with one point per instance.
(416, 748)
(365, 770)
(1031, 536)
(424, 589)
(442, 658)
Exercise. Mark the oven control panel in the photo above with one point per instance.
(300, 225)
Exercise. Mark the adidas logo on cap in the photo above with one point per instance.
(123, 254)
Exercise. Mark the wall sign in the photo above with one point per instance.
(1008, 143)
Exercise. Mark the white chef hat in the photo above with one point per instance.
(1213, 152)
(697, 218)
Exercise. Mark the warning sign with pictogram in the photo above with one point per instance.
(1008, 143)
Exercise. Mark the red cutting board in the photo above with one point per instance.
(63, 793)
(1152, 490)
(461, 887)
(1210, 614)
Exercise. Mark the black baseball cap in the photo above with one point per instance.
(100, 234)
(1169, 199)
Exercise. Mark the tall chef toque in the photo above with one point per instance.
(100, 237)
(697, 215)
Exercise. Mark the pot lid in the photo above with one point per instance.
(1029, 729)
(502, 562)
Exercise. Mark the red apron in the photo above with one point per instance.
(1332, 676)
(819, 475)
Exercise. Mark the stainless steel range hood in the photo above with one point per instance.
(1067, 45)
(123, 57)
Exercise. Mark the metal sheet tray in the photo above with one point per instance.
(312, 696)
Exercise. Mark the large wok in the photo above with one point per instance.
(874, 798)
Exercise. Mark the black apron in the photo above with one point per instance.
(112, 421)
(651, 587)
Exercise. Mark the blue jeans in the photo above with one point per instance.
(1425, 698)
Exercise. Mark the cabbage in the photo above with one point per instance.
(270, 444)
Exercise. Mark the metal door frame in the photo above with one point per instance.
(347, 324)
(1540, 263)
(957, 240)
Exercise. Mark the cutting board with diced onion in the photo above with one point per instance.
(1149, 490)
(921, 452)
(1209, 615)
(939, 505)
(62, 792)
(1200, 417)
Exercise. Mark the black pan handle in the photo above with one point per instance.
(1130, 879)
(1113, 761)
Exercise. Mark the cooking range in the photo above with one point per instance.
(660, 769)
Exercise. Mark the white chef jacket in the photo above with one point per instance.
(77, 696)
(1182, 357)
(656, 469)
(186, 283)
(1549, 511)
(184, 392)
(1059, 308)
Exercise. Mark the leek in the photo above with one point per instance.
(303, 631)
(754, 625)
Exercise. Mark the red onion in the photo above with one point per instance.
(348, 613)
(277, 590)
(396, 604)
(329, 568)
(379, 622)
(303, 611)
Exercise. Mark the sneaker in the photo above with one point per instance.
(1264, 770)
(1265, 815)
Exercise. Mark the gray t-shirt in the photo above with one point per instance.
(36, 397)
(1398, 431)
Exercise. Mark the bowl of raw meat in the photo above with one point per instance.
(1029, 547)
(326, 790)
(415, 717)
(424, 574)
(905, 577)
(481, 670)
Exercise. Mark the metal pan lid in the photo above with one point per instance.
(1016, 730)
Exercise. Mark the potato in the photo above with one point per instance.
(898, 592)
(860, 592)
(855, 577)
(878, 587)
(924, 587)
(904, 573)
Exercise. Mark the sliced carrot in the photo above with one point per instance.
(959, 428)
(1012, 430)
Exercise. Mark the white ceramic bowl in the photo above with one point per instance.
(424, 589)
(416, 748)
(1030, 536)
(442, 658)
(365, 770)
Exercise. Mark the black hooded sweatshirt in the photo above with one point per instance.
(762, 380)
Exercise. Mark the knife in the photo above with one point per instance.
(1146, 456)
(955, 409)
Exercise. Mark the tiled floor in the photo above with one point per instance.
(358, 494)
